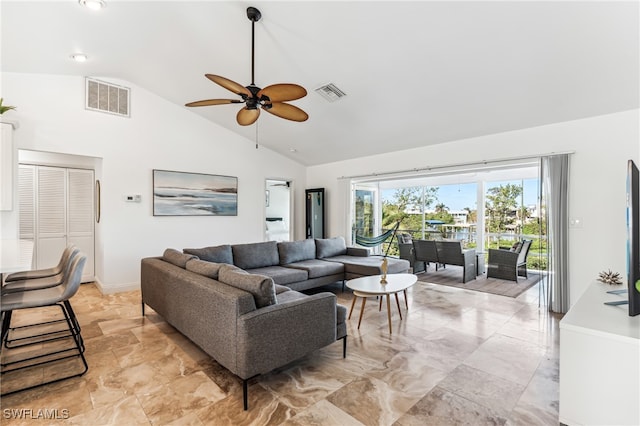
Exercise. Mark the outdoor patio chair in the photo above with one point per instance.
(426, 251)
(509, 264)
(405, 247)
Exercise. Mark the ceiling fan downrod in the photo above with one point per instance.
(254, 16)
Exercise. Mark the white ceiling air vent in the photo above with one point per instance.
(330, 92)
(106, 97)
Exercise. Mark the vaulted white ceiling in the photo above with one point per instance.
(415, 73)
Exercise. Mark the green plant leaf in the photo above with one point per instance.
(638, 286)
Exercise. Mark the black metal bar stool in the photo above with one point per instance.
(52, 296)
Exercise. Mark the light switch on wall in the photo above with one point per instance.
(136, 198)
(575, 222)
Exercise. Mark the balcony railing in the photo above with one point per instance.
(537, 258)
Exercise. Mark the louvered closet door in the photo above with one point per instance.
(56, 209)
(27, 201)
(80, 216)
(51, 221)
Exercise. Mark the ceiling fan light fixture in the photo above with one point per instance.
(272, 98)
(93, 4)
(79, 57)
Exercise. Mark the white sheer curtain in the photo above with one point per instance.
(555, 183)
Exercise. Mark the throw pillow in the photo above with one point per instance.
(260, 286)
(255, 255)
(175, 257)
(329, 247)
(208, 269)
(295, 251)
(216, 254)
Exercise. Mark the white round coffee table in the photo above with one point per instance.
(370, 286)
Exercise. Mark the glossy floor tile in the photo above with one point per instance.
(456, 357)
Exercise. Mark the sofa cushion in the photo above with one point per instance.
(255, 255)
(318, 268)
(281, 289)
(291, 296)
(328, 247)
(175, 257)
(208, 269)
(217, 254)
(370, 265)
(282, 275)
(294, 251)
(261, 287)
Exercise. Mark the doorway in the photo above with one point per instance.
(278, 214)
(56, 204)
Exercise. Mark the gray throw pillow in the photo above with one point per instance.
(295, 251)
(175, 257)
(208, 269)
(260, 286)
(329, 247)
(255, 255)
(217, 254)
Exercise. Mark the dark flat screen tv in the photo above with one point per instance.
(633, 237)
(633, 243)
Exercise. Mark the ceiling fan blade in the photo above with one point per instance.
(229, 84)
(286, 111)
(247, 116)
(283, 92)
(208, 102)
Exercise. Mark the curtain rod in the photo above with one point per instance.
(446, 166)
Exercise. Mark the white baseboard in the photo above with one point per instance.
(116, 288)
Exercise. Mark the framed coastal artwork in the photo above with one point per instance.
(194, 194)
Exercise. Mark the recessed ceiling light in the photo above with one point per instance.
(79, 57)
(93, 4)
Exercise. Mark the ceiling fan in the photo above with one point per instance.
(271, 99)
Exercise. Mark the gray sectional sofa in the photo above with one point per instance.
(240, 305)
(301, 265)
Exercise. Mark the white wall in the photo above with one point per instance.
(159, 135)
(602, 146)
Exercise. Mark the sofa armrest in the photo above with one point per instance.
(358, 251)
(275, 335)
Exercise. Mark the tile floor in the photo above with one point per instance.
(457, 357)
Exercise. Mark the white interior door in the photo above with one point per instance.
(80, 216)
(51, 223)
(56, 209)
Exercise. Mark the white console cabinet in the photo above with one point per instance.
(6, 164)
(599, 361)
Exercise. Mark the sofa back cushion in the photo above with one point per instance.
(207, 269)
(217, 254)
(255, 255)
(175, 257)
(329, 247)
(260, 286)
(295, 251)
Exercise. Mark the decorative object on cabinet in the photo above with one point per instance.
(610, 277)
(5, 108)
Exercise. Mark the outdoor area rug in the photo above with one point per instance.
(452, 276)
